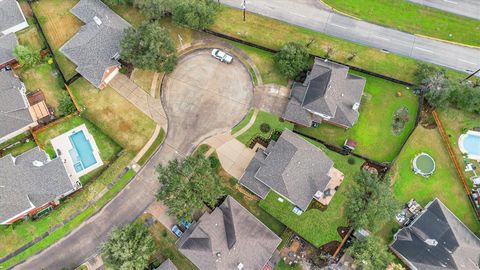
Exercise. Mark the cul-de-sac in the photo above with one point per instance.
(240, 134)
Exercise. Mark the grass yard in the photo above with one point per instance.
(413, 18)
(444, 183)
(313, 225)
(153, 148)
(264, 117)
(274, 34)
(456, 123)
(265, 64)
(30, 36)
(16, 236)
(374, 126)
(108, 148)
(114, 115)
(243, 123)
(165, 243)
(59, 25)
(46, 78)
(143, 78)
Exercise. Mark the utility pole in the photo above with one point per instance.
(471, 75)
(244, 7)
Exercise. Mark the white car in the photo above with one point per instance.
(222, 56)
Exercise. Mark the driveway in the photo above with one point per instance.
(309, 14)
(202, 97)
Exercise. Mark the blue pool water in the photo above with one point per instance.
(82, 152)
(471, 143)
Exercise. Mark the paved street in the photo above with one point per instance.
(467, 8)
(310, 14)
(199, 103)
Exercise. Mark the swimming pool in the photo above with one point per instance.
(469, 144)
(82, 152)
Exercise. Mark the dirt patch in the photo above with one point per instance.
(400, 119)
(330, 247)
(426, 118)
(343, 231)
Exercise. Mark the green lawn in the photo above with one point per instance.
(59, 25)
(46, 78)
(274, 34)
(456, 123)
(282, 266)
(30, 35)
(265, 64)
(114, 115)
(414, 18)
(242, 123)
(143, 78)
(264, 117)
(313, 225)
(108, 148)
(153, 147)
(26, 231)
(444, 183)
(374, 126)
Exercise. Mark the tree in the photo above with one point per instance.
(466, 96)
(370, 202)
(154, 9)
(434, 84)
(149, 47)
(292, 58)
(196, 14)
(370, 253)
(26, 56)
(66, 106)
(187, 185)
(129, 247)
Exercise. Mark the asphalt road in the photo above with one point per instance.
(199, 103)
(312, 15)
(467, 8)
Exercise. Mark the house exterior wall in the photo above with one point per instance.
(109, 74)
(30, 212)
(8, 63)
(15, 28)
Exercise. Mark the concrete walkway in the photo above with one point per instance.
(250, 123)
(143, 101)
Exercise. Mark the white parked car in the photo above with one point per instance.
(222, 56)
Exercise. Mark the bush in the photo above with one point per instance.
(351, 160)
(264, 128)
(26, 56)
(214, 162)
(292, 58)
(66, 105)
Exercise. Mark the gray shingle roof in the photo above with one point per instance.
(167, 265)
(7, 45)
(10, 14)
(293, 168)
(14, 113)
(94, 47)
(227, 237)
(25, 185)
(328, 90)
(437, 239)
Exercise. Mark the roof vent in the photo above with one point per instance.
(431, 242)
(97, 20)
(219, 254)
(37, 163)
(355, 106)
(240, 266)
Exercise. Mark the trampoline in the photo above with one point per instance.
(423, 164)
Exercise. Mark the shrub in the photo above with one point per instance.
(264, 127)
(26, 56)
(292, 58)
(66, 105)
(214, 162)
(351, 160)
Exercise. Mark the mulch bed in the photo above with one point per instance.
(330, 247)
(343, 231)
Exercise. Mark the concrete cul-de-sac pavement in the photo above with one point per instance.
(201, 98)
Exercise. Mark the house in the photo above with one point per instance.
(228, 238)
(15, 117)
(329, 94)
(167, 265)
(95, 49)
(437, 239)
(293, 168)
(7, 45)
(30, 183)
(12, 19)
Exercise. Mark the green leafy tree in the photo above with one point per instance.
(128, 248)
(154, 9)
(292, 58)
(370, 253)
(149, 47)
(371, 202)
(26, 56)
(435, 85)
(186, 186)
(66, 106)
(466, 96)
(196, 14)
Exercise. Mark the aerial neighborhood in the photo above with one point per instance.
(242, 135)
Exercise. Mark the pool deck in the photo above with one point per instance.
(62, 143)
(462, 148)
